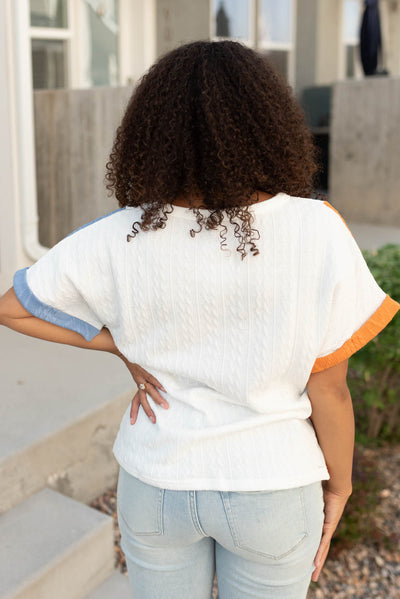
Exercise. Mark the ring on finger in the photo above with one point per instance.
(142, 386)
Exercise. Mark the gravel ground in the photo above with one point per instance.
(362, 572)
(365, 571)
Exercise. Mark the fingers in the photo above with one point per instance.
(141, 376)
(153, 381)
(140, 398)
(333, 507)
(320, 558)
(137, 371)
(146, 406)
(134, 408)
(156, 396)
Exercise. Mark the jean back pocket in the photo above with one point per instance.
(140, 505)
(271, 523)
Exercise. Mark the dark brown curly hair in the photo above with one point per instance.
(213, 120)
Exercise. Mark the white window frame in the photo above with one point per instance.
(254, 41)
(59, 33)
(73, 52)
(18, 95)
(137, 38)
(289, 47)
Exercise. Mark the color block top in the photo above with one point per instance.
(233, 342)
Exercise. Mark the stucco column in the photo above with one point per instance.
(12, 255)
(319, 42)
(390, 26)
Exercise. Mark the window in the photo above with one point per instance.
(231, 19)
(275, 22)
(49, 13)
(49, 69)
(74, 43)
(98, 43)
(50, 35)
(273, 35)
(351, 37)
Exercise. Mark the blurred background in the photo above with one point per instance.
(69, 67)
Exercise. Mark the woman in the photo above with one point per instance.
(242, 299)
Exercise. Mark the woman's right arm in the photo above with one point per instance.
(333, 420)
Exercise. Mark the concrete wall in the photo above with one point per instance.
(365, 150)
(180, 21)
(74, 131)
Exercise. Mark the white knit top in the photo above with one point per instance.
(232, 341)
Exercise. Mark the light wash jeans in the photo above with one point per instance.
(261, 544)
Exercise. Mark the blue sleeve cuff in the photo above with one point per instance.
(37, 308)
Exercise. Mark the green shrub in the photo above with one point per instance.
(359, 521)
(374, 371)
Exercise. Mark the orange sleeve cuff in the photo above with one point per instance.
(374, 325)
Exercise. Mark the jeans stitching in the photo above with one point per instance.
(135, 532)
(230, 517)
(303, 505)
(160, 511)
(230, 514)
(159, 517)
(193, 513)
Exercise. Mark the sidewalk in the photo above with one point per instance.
(372, 237)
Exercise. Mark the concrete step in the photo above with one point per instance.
(115, 587)
(54, 547)
(60, 411)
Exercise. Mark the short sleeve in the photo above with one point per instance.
(63, 286)
(356, 308)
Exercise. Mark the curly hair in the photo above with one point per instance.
(213, 120)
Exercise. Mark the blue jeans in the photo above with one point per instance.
(261, 544)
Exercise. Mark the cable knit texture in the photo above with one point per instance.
(233, 341)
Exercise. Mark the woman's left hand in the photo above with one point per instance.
(151, 386)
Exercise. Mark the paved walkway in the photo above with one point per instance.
(372, 237)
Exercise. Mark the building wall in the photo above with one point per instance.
(329, 41)
(365, 150)
(180, 21)
(319, 46)
(19, 245)
(74, 131)
(151, 28)
(12, 255)
(390, 24)
(306, 44)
